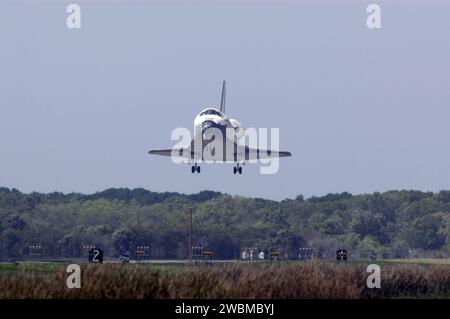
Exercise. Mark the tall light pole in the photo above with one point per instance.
(190, 234)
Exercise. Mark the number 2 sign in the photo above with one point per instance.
(95, 255)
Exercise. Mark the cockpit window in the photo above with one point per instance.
(211, 112)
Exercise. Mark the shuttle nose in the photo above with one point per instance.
(208, 124)
(211, 129)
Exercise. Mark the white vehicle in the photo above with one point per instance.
(207, 146)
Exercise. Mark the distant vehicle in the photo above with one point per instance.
(373, 255)
(208, 123)
(124, 257)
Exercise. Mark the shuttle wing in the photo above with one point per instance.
(257, 153)
(237, 153)
(173, 152)
(166, 152)
(244, 153)
(184, 152)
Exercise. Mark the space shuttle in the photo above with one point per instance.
(216, 140)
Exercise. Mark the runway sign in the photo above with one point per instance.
(341, 255)
(274, 255)
(95, 255)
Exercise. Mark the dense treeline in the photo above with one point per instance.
(394, 224)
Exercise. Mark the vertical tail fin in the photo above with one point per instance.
(222, 101)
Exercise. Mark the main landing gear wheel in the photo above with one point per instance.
(237, 169)
(195, 168)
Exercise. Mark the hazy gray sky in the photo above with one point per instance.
(361, 110)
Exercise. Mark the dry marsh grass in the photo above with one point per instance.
(291, 280)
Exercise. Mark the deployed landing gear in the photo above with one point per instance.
(195, 168)
(237, 169)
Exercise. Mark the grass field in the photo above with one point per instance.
(420, 261)
(415, 279)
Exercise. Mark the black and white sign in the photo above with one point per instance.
(95, 255)
(341, 255)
